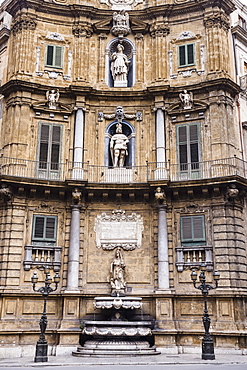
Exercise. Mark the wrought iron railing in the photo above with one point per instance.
(149, 172)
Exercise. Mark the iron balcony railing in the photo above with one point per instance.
(23, 168)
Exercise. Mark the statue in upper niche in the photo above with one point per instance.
(186, 99)
(120, 24)
(119, 67)
(52, 97)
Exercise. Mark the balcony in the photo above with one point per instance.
(27, 169)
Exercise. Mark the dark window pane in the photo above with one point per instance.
(49, 59)
(39, 227)
(193, 133)
(43, 155)
(194, 154)
(182, 134)
(190, 53)
(56, 134)
(54, 155)
(182, 60)
(50, 228)
(44, 136)
(183, 154)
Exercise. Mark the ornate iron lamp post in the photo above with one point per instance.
(207, 341)
(42, 345)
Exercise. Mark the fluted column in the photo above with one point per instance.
(74, 249)
(163, 264)
(78, 145)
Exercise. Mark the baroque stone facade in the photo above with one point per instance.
(169, 191)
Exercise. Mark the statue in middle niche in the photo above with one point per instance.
(118, 147)
(120, 67)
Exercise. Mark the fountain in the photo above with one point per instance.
(121, 328)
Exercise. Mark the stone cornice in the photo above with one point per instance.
(76, 10)
(74, 90)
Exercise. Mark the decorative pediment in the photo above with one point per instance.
(61, 108)
(103, 26)
(178, 107)
(138, 26)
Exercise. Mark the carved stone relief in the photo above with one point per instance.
(118, 230)
(121, 4)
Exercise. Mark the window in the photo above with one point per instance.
(49, 147)
(188, 148)
(44, 229)
(54, 55)
(192, 230)
(186, 55)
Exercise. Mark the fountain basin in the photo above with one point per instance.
(118, 302)
(117, 328)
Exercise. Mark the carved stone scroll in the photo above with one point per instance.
(118, 230)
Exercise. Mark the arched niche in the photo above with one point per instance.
(130, 51)
(127, 130)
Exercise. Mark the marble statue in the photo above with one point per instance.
(119, 67)
(121, 25)
(117, 274)
(118, 147)
(186, 99)
(52, 97)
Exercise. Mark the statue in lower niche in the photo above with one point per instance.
(117, 274)
(118, 147)
(119, 67)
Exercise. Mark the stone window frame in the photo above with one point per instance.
(190, 256)
(40, 253)
(186, 38)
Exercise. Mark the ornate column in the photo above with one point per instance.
(163, 264)
(78, 145)
(74, 244)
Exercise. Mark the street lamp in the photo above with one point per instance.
(207, 341)
(42, 345)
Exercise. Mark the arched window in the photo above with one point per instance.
(129, 52)
(127, 130)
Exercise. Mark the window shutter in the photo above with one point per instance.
(58, 56)
(186, 228)
(39, 224)
(50, 228)
(190, 54)
(43, 152)
(49, 55)
(182, 60)
(192, 229)
(198, 227)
